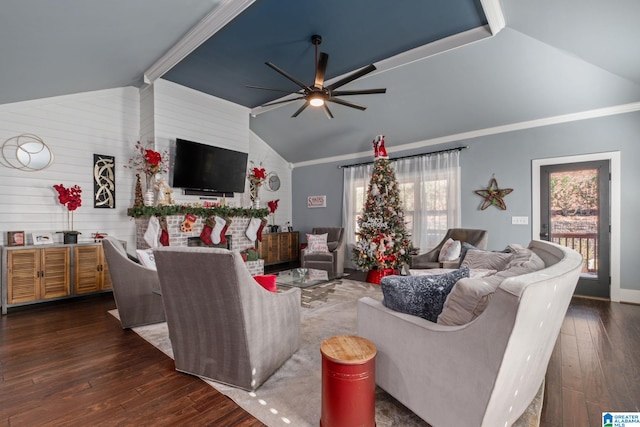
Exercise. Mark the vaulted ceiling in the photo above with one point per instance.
(451, 68)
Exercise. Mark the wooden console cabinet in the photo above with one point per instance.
(32, 274)
(277, 248)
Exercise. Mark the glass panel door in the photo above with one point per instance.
(574, 203)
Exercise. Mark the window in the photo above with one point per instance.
(430, 189)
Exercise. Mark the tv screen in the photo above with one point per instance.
(204, 167)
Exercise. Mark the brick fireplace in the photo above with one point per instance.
(177, 237)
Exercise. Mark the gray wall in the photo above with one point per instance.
(317, 180)
(509, 157)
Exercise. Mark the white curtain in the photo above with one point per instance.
(429, 187)
(355, 182)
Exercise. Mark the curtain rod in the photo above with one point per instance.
(408, 157)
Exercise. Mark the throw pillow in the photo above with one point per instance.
(485, 259)
(422, 296)
(463, 251)
(267, 281)
(450, 251)
(146, 258)
(317, 243)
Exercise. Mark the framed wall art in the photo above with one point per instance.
(42, 238)
(104, 181)
(317, 202)
(15, 238)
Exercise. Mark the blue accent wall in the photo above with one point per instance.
(509, 157)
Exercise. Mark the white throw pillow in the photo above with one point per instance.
(317, 243)
(146, 258)
(450, 250)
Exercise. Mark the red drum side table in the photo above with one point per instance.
(348, 382)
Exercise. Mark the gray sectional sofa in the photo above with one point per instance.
(484, 361)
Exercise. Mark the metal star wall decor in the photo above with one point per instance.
(493, 195)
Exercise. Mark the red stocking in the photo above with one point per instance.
(262, 224)
(164, 234)
(223, 239)
(205, 235)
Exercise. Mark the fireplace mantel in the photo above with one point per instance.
(177, 237)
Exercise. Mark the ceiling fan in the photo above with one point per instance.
(317, 95)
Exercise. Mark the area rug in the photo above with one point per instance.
(292, 395)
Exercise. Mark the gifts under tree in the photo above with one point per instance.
(382, 237)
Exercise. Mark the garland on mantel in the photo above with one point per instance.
(200, 211)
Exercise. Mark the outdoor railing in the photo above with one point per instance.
(584, 243)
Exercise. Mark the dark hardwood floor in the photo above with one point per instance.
(595, 365)
(71, 364)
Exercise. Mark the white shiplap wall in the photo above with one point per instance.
(180, 112)
(110, 122)
(260, 152)
(74, 127)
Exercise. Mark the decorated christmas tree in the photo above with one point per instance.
(383, 241)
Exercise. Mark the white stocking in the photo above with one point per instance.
(153, 232)
(252, 229)
(217, 230)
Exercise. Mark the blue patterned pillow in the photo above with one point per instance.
(422, 296)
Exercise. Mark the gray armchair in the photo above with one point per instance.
(477, 238)
(133, 286)
(222, 324)
(333, 262)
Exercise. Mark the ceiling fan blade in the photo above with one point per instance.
(305, 105)
(347, 103)
(281, 102)
(322, 67)
(327, 112)
(357, 92)
(268, 88)
(351, 77)
(287, 75)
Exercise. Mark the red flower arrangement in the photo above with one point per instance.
(71, 199)
(148, 162)
(257, 176)
(273, 205)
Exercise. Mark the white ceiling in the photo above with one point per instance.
(555, 57)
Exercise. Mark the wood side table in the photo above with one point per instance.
(348, 382)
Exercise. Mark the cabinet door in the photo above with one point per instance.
(273, 249)
(87, 272)
(284, 246)
(54, 279)
(263, 248)
(294, 248)
(23, 275)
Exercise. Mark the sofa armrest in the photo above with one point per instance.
(425, 260)
(457, 365)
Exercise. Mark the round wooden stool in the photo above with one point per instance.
(348, 382)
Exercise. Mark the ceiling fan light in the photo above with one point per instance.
(316, 101)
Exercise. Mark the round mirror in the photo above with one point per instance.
(26, 152)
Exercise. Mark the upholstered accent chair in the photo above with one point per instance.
(222, 324)
(133, 287)
(477, 238)
(332, 261)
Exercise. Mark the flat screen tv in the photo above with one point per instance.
(204, 167)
